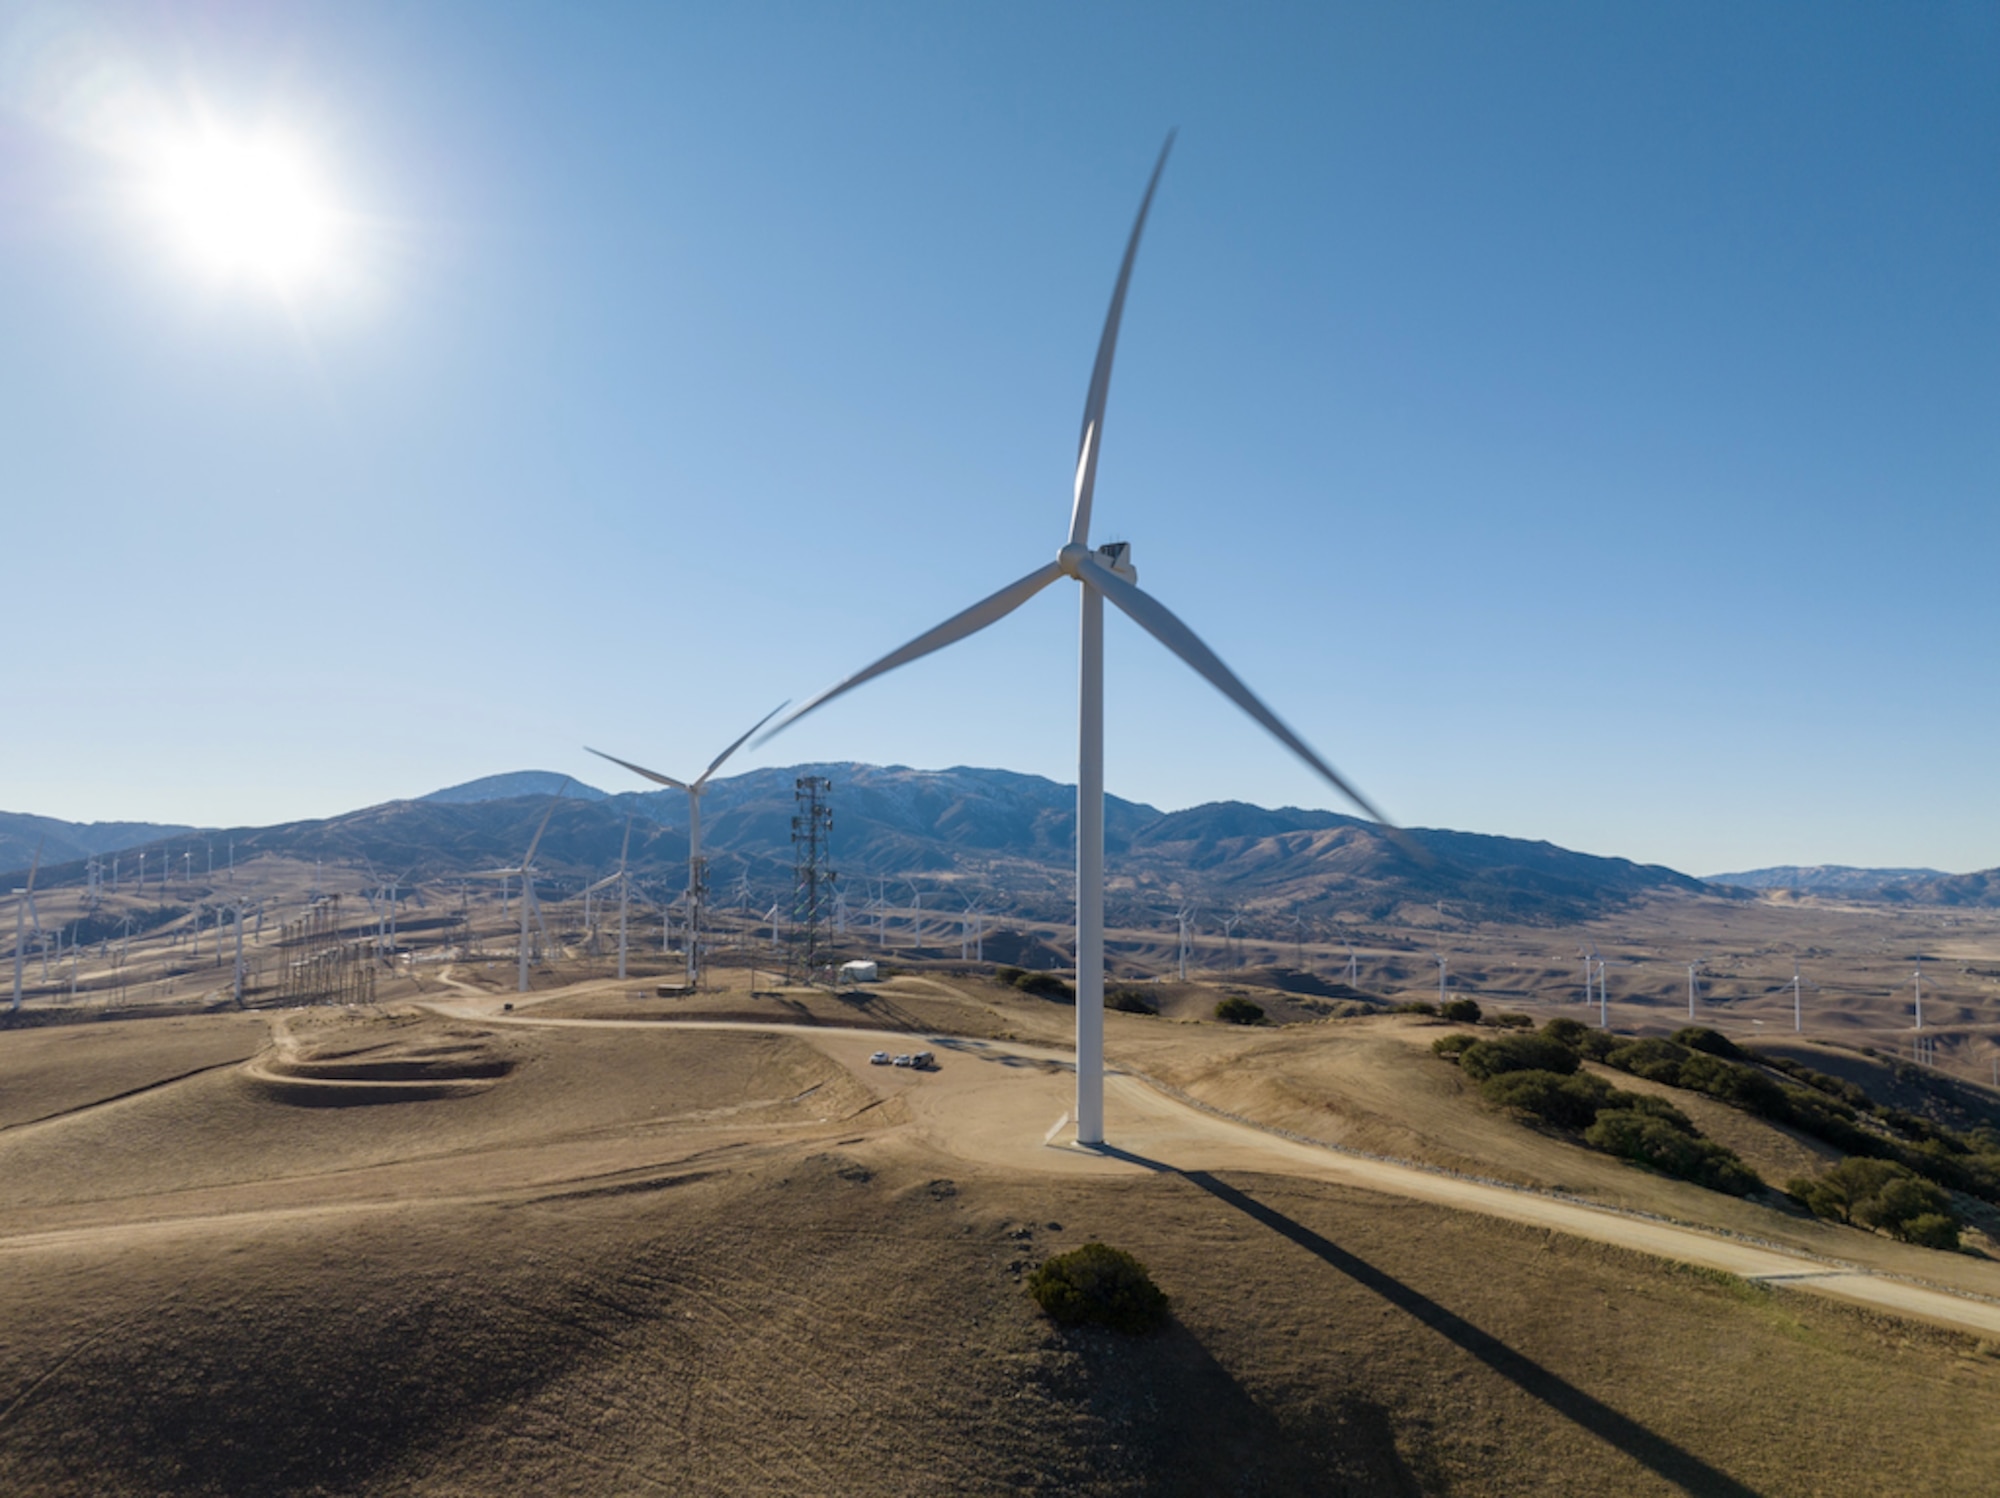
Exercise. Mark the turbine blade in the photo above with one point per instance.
(34, 869)
(653, 775)
(1158, 621)
(988, 610)
(626, 846)
(716, 763)
(529, 860)
(1092, 438)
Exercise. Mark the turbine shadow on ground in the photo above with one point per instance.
(1673, 1463)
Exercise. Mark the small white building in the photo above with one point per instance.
(858, 972)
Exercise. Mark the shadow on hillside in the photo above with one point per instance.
(1655, 1452)
(1171, 1420)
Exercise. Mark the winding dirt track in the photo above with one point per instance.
(995, 1103)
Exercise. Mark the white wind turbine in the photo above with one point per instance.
(623, 880)
(21, 909)
(1798, 1010)
(694, 789)
(1106, 572)
(531, 910)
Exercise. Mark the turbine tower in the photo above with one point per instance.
(1101, 573)
(694, 789)
(25, 904)
(624, 883)
(530, 909)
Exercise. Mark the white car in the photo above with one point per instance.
(880, 1058)
(902, 1061)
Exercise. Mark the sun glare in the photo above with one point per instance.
(248, 207)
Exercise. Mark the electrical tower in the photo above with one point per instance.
(812, 875)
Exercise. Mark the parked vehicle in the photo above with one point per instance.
(924, 1061)
(903, 1061)
(880, 1058)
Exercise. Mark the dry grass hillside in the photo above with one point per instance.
(579, 1248)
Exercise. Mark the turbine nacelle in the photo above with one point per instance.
(1113, 556)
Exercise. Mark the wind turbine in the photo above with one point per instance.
(525, 872)
(1106, 572)
(1798, 1012)
(1691, 972)
(694, 789)
(21, 908)
(624, 884)
(1186, 919)
(1353, 961)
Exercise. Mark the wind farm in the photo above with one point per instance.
(998, 1069)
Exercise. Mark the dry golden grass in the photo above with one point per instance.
(648, 1259)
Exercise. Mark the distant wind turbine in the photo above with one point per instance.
(624, 882)
(694, 789)
(21, 908)
(1105, 572)
(531, 910)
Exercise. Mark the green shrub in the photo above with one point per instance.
(1931, 1230)
(1239, 1012)
(1597, 1045)
(1007, 974)
(1127, 1000)
(1744, 1086)
(1463, 1010)
(1653, 1142)
(1714, 1042)
(1881, 1194)
(1655, 1060)
(1647, 1106)
(1565, 1030)
(1489, 1058)
(1044, 986)
(1415, 1006)
(1449, 1046)
(1098, 1283)
(1511, 1021)
(1567, 1102)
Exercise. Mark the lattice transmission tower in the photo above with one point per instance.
(812, 876)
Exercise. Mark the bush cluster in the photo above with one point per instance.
(1041, 985)
(1489, 1058)
(1237, 1011)
(1508, 1020)
(1901, 1164)
(1129, 1000)
(1465, 1011)
(1538, 1075)
(1098, 1283)
(1675, 1151)
(1882, 1194)
(1837, 1112)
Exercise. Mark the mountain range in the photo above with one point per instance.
(994, 836)
(1825, 879)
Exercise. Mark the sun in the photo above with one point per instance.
(247, 207)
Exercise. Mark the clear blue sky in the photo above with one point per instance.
(1577, 420)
